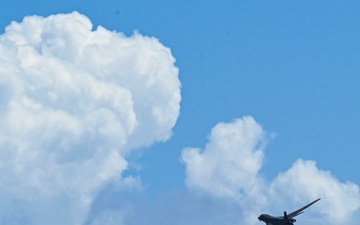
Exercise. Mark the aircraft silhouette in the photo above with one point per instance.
(287, 219)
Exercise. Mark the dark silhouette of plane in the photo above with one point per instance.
(287, 219)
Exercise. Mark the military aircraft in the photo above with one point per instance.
(287, 219)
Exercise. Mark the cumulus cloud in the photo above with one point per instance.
(75, 101)
(304, 180)
(229, 168)
(229, 164)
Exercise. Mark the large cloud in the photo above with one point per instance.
(228, 168)
(74, 102)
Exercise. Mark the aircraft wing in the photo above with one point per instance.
(299, 211)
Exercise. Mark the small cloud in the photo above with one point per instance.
(229, 164)
(305, 181)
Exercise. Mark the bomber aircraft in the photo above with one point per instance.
(287, 219)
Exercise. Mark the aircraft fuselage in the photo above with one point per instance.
(275, 220)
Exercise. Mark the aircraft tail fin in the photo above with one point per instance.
(287, 220)
(286, 216)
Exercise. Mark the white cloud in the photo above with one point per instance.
(229, 167)
(229, 164)
(305, 181)
(74, 103)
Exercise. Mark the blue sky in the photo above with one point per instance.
(292, 67)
